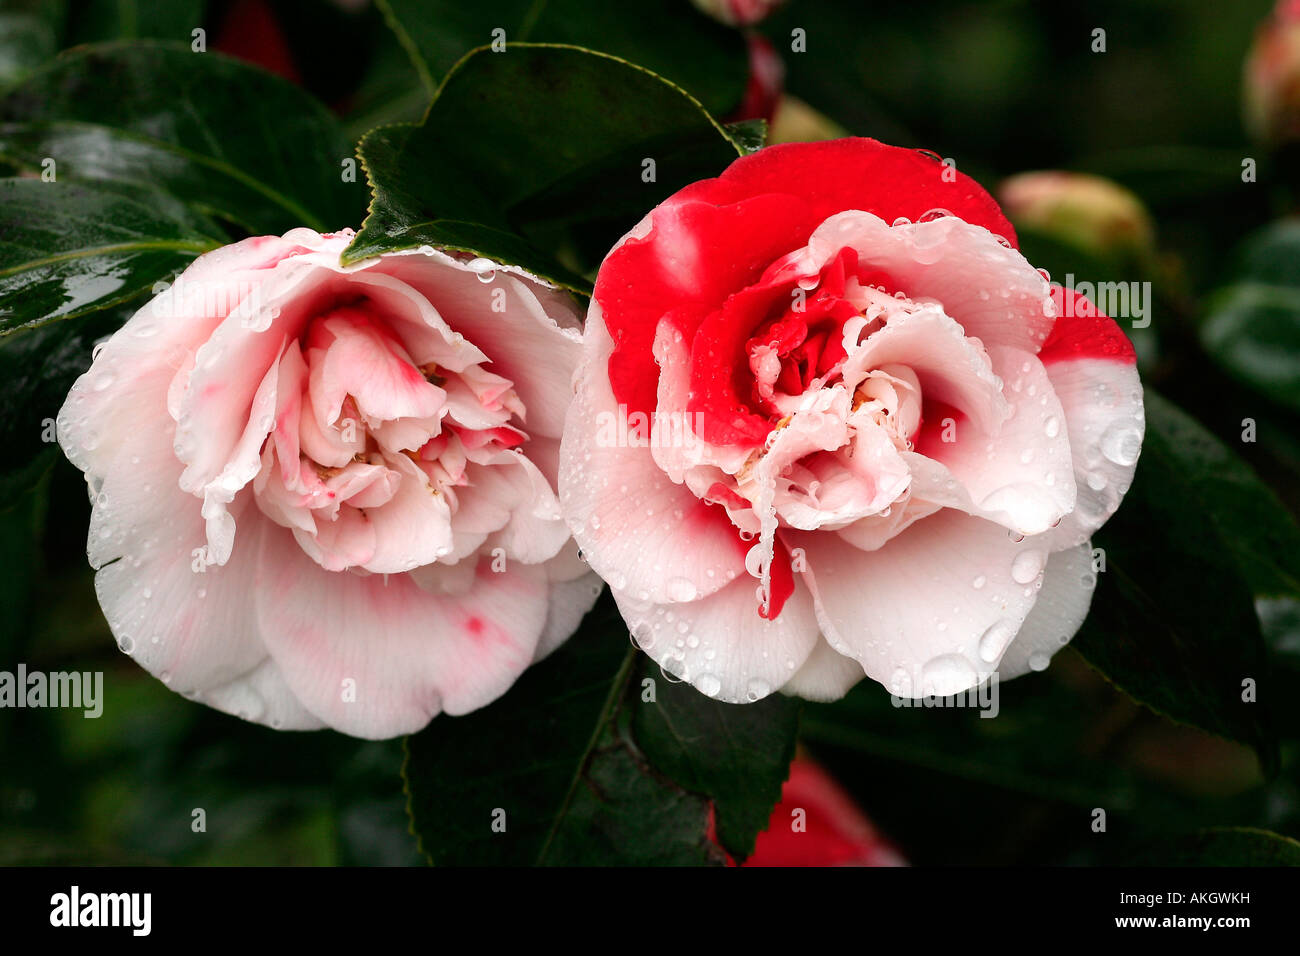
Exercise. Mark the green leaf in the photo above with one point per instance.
(555, 756)
(1222, 490)
(667, 36)
(1028, 764)
(749, 135)
(1173, 620)
(227, 137)
(552, 126)
(1253, 326)
(736, 754)
(1224, 846)
(67, 249)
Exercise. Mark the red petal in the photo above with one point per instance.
(1083, 332)
(716, 237)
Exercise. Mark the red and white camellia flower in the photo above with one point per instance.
(324, 495)
(831, 423)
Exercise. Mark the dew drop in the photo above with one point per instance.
(708, 685)
(681, 590)
(1121, 444)
(994, 641)
(1027, 566)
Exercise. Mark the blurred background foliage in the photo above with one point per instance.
(1002, 87)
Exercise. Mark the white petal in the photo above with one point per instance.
(1105, 422)
(1058, 614)
(721, 645)
(826, 675)
(934, 609)
(377, 656)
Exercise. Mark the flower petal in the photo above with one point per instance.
(1058, 614)
(933, 611)
(721, 645)
(376, 656)
(645, 535)
(1093, 372)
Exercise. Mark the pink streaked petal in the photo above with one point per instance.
(514, 318)
(377, 656)
(353, 355)
(414, 528)
(346, 541)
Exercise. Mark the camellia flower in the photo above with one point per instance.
(324, 496)
(831, 423)
(816, 823)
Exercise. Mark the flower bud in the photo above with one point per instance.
(1092, 213)
(1272, 77)
(797, 122)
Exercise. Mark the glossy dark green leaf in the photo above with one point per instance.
(749, 135)
(69, 248)
(552, 127)
(1016, 778)
(87, 151)
(1253, 327)
(1173, 620)
(1223, 846)
(223, 135)
(554, 761)
(737, 754)
(1224, 492)
(666, 36)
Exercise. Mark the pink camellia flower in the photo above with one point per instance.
(324, 495)
(831, 423)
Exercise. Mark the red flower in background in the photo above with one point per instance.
(818, 824)
(250, 32)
